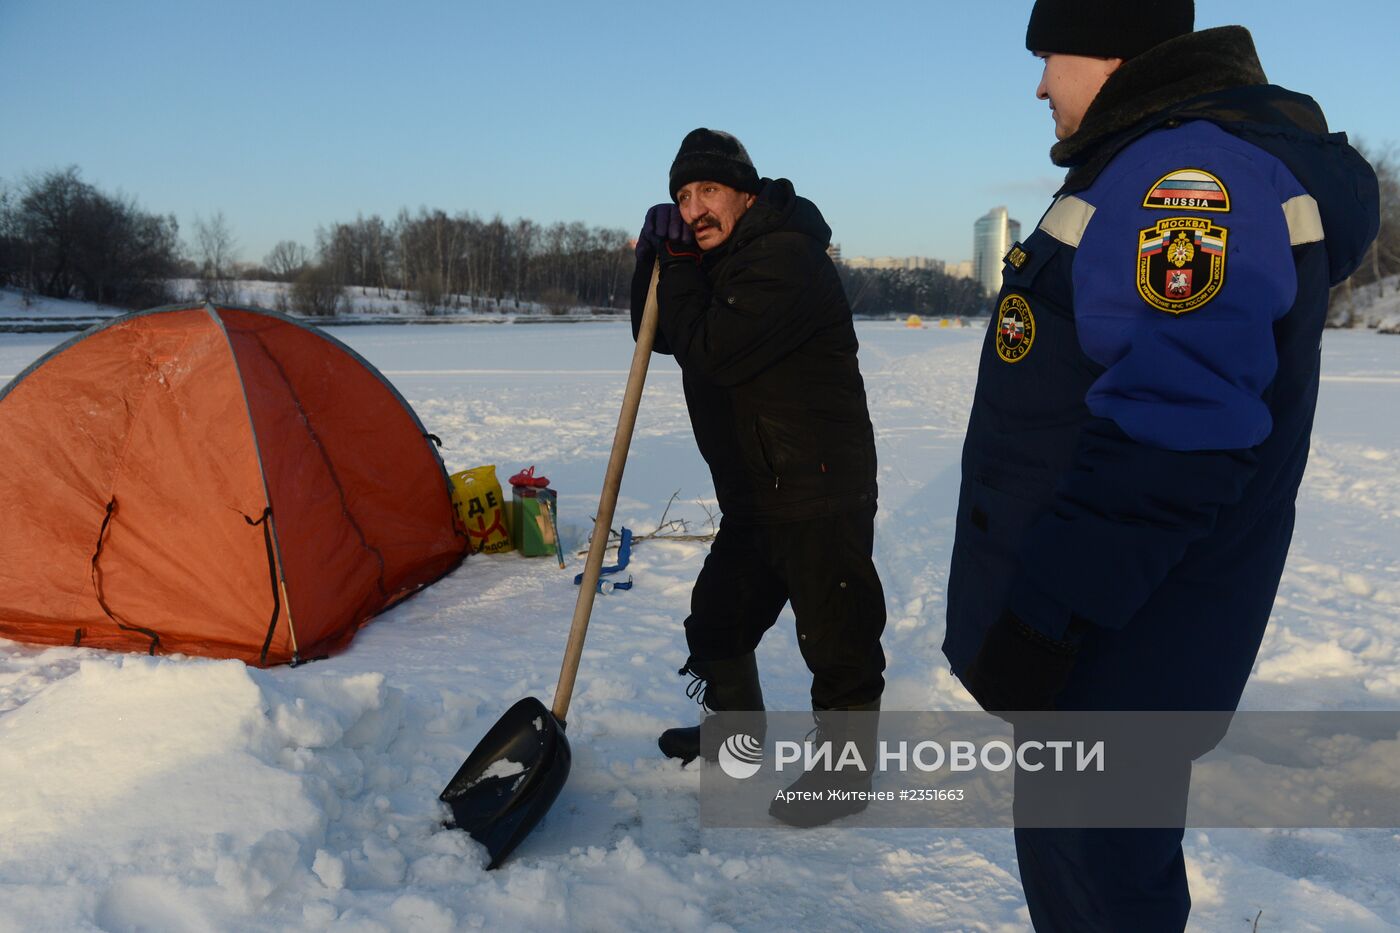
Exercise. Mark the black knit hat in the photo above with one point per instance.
(712, 155)
(1106, 28)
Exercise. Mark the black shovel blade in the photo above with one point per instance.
(510, 779)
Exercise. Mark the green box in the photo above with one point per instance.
(534, 518)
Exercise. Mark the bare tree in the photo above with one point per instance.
(11, 246)
(525, 234)
(215, 253)
(316, 293)
(63, 238)
(497, 247)
(432, 251)
(122, 255)
(287, 259)
(615, 264)
(377, 247)
(1383, 260)
(49, 223)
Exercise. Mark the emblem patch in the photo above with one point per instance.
(1017, 257)
(1188, 189)
(1181, 263)
(1015, 329)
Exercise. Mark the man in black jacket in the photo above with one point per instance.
(752, 309)
(1143, 407)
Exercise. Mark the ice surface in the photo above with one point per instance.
(184, 794)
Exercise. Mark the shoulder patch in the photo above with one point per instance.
(1181, 263)
(1189, 189)
(1015, 329)
(1016, 257)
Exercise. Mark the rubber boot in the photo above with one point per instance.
(718, 685)
(825, 795)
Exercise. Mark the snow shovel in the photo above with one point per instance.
(516, 771)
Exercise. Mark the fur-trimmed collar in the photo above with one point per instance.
(1175, 71)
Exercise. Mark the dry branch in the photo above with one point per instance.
(668, 529)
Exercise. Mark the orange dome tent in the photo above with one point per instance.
(215, 481)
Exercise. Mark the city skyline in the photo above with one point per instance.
(285, 118)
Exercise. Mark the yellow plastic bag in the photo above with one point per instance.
(476, 494)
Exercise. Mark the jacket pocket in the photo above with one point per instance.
(991, 524)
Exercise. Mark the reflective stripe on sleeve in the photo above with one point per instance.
(1304, 220)
(1067, 219)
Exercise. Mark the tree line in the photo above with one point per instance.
(61, 237)
(912, 291)
(463, 260)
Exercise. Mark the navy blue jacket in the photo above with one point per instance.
(1146, 394)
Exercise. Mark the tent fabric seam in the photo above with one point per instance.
(373, 370)
(330, 469)
(262, 473)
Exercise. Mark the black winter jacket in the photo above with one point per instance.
(763, 335)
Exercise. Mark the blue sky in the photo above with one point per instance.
(904, 121)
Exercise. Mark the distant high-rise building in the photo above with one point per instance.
(992, 236)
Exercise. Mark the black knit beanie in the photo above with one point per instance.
(1106, 28)
(712, 155)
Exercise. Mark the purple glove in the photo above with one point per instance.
(663, 222)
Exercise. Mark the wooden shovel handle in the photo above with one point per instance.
(607, 502)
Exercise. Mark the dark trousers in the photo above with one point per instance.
(1109, 880)
(823, 567)
(1100, 879)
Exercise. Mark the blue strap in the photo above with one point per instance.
(624, 554)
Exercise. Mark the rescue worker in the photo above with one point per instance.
(1143, 406)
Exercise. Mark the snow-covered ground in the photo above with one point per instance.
(18, 306)
(186, 794)
(355, 301)
(357, 305)
(1376, 306)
